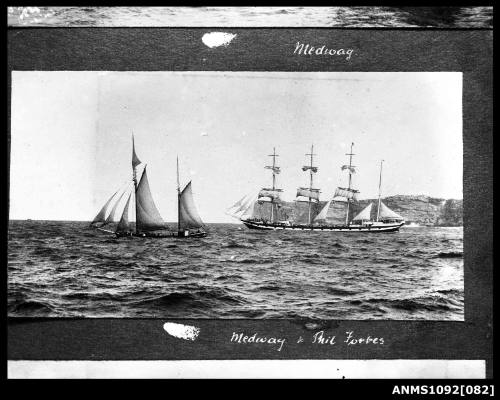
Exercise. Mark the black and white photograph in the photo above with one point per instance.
(290, 192)
(236, 195)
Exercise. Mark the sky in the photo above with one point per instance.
(71, 136)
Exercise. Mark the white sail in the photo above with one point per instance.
(147, 216)
(365, 214)
(350, 194)
(236, 207)
(310, 193)
(124, 224)
(248, 210)
(114, 215)
(188, 214)
(324, 211)
(387, 213)
(272, 194)
(243, 207)
(105, 211)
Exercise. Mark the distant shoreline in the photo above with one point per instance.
(422, 210)
(219, 223)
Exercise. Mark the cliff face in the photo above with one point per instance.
(421, 210)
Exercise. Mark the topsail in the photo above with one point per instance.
(273, 194)
(306, 192)
(135, 159)
(350, 194)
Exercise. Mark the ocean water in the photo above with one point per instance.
(441, 17)
(65, 269)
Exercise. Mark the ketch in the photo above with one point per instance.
(131, 211)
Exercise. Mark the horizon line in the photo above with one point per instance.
(236, 223)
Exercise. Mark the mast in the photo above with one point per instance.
(310, 180)
(379, 189)
(134, 175)
(178, 199)
(350, 154)
(135, 163)
(273, 168)
(271, 193)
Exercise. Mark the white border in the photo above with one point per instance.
(231, 369)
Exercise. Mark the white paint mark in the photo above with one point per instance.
(181, 331)
(216, 39)
(204, 134)
(312, 325)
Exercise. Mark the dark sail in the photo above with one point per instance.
(124, 224)
(188, 215)
(336, 213)
(135, 159)
(147, 216)
(301, 212)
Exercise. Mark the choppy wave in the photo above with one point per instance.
(30, 308)
(64, 269)
(440, 17)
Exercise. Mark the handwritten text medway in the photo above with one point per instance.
(307, 50)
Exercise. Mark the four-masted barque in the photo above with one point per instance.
(135, 201)
(265, 211)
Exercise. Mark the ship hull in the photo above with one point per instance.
(163, 235)
(324, 228)
(156, 234)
